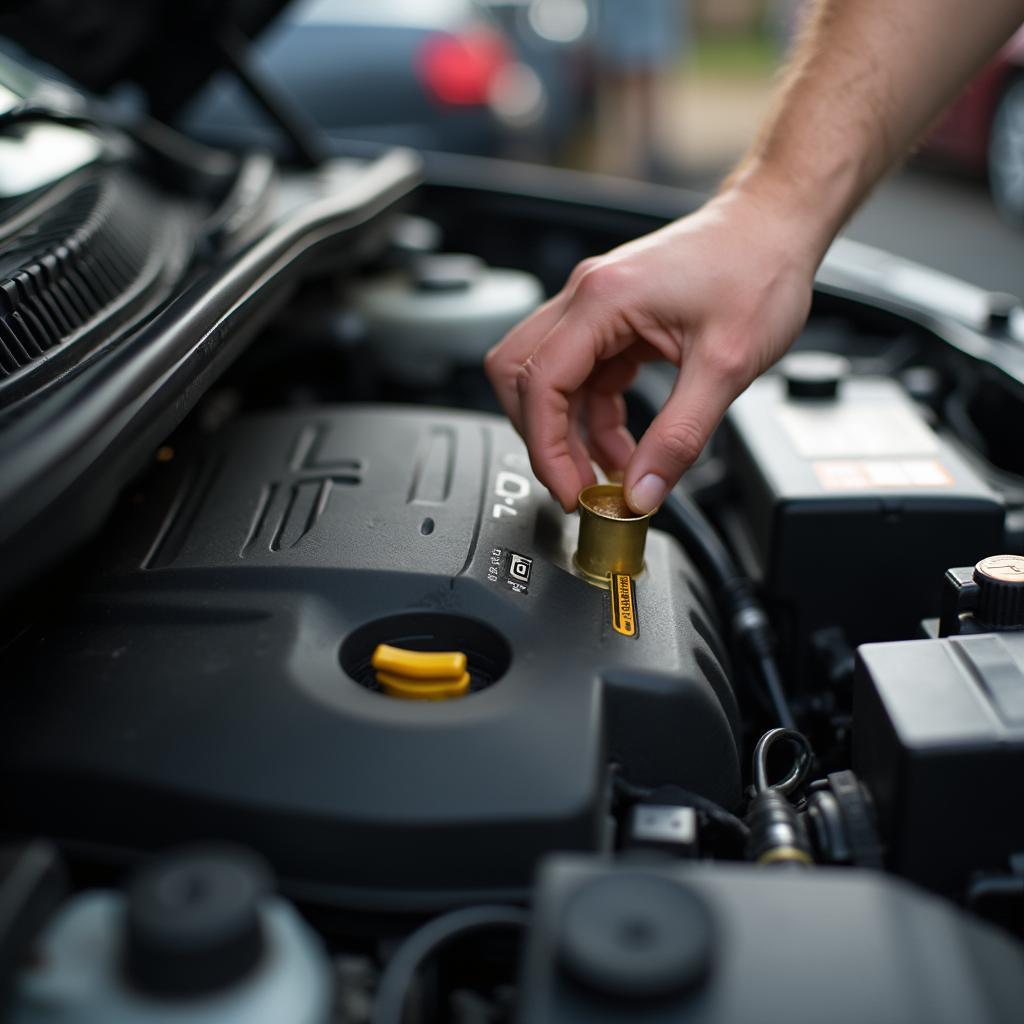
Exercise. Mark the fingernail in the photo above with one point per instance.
(567, 506)
(647, 494)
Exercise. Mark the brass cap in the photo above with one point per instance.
(612, 536)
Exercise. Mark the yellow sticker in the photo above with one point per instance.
(623, 604)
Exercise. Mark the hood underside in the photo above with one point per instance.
(168, 48)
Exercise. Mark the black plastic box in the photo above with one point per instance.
(939, 741)
(851, 510)
(776, 947)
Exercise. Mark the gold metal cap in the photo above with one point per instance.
(612, 536)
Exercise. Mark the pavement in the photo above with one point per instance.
(706, 122)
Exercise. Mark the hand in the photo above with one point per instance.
(721, 294)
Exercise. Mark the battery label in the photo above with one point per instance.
(857, 432)
(623, 601)
(882, 474)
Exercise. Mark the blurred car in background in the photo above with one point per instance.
(435, 74)
(983, 131)
(553, 38)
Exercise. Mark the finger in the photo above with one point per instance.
(704, 389)
(504, 361)
(591, 331)
(557, 370)
(577, 445)
(553, 441)
(610, 443)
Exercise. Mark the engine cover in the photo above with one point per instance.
(215, 681)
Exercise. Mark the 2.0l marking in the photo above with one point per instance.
(509, 487)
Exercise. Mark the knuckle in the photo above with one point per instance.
(728, 360)
(682, 440)
(604, 282)
(493, 362)
(582, 268)
(525, 377)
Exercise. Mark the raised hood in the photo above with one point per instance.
(169, 48)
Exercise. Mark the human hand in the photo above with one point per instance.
(721, 293)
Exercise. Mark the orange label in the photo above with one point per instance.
(884, 474)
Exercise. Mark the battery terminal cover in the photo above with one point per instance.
(420, 675)
(1000, 580)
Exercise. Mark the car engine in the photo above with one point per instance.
(311, 710)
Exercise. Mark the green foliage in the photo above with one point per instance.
(746, 56)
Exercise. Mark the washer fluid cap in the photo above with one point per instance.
(448, 311)
(814, 374)
(193, 921)
(447, 272)
(1000, 580)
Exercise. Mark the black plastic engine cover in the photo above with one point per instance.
(215, 680)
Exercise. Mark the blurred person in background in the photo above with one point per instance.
(636, 43)
(723, 292)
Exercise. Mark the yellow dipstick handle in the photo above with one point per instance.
(435, 666)
(423, 689)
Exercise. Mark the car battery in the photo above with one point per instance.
(939, 742)
(850, 506)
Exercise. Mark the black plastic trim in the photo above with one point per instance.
(63, 461)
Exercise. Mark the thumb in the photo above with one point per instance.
(677, 435)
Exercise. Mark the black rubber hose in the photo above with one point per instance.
(702, 543)
(798, 771)
(769, 669)
(735, 596)
(400, 973)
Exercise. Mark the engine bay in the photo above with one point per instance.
(771, 779)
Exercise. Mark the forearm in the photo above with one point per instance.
(867, 78)
(722, 293)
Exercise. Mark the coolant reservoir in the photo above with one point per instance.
(444, 312)
(197, 938)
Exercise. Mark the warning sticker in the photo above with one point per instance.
(623, 600)
(865, 432)
(518, 572)
(886, 474)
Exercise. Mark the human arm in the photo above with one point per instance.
(722, 293)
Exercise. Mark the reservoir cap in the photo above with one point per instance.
(637, 936)
(814, 374)
(194, 922)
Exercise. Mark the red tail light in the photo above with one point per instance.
(460, 69)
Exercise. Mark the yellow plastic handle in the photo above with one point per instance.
(436, 666)
(423, 689)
